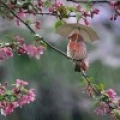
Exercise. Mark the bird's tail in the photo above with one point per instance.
(77, 67)
(81, 65)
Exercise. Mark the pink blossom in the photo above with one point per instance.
(102, 109)
(23, 100)
(8, 52)
(20, 40)
(9, 108)
(17, 22)
(31, 50)
(31, 95)
(111, 93)
(34, 51)
(5, 53)
(1, 90)
(40, 4)
(96, 11)
(3, 104)
(86, 21)
(2, 57)
(21, 51)
(21, 13)
(58, 3)
(21, 95)
(38, 24)
(16, 91)
(20, 82)
(52, 9)
(40, 50)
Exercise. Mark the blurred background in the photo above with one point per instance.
(59, 95)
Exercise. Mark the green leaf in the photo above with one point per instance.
(101, 87)
(84, 81)
(13, 98)
(70, 8)
(90, 79)
(1, 97)
(9, 92)
(116, 113)
(47, 3)
(96, 86)
(88, 6)
(58, 23)
(63, 11)
(104, 98)
(43, 44)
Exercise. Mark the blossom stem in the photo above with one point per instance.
(32, 31)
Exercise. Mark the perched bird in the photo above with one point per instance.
(77, 35)
(76, 50)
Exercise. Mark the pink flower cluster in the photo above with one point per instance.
(107, 103)
(116, 7)
(5, 53)
(21, 14)
(89, 90)
(86, 14)
(103, 109)
(54, 6)
(111, 94)
(17, 97)
(31, 50)
(30, 97)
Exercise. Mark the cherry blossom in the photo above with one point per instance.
(30, 97)
(102, 109)
(111, 93)
(20, 14)
(5, 53)
(58, 3)
(20, 82)
(38, 24)
(16, 97)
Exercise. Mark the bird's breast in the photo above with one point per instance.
(76, 50)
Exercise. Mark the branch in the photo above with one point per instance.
(51, 46)
(117, 12)
(32, 31)
(50, 14)
(89, 83)
(92, 1)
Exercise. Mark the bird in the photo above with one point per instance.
(77, 51)
(77, 35)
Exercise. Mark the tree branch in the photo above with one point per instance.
(50, 14)
(89, 83)
(92, 1)
(32, 31)
(51, 46)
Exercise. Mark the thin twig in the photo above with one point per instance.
(92, 1)
(117, 12)
(3, 3)
(89, 83)
(32, 31)
(50, 14)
